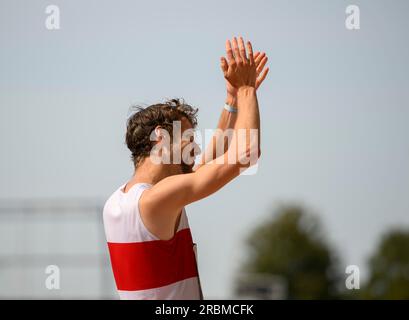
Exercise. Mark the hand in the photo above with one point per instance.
(260, 60)
(239, 70)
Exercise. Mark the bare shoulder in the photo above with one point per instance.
(158, 217)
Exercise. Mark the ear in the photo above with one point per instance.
(158, 133)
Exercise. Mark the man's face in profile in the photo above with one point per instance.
(189, 149)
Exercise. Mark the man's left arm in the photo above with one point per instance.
(227, 118)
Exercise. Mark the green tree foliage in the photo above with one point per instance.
(389, 268)
(291, 245)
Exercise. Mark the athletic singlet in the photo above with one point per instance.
(144, 266)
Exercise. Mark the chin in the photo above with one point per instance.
(187, 168)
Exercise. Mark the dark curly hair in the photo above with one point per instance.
(143, 122)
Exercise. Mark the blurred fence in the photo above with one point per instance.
(68, 234)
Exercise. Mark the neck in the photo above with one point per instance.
(151, 173)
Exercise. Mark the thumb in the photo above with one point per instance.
(223, 64)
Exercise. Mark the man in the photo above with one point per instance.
(150, 244)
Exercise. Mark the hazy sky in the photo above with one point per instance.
(334, 109)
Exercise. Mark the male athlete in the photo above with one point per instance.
(151, 248)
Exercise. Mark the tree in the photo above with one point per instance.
(389, 268)
(290, 244)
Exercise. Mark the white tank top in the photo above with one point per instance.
(144, 266)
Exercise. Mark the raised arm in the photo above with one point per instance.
(228, 119)
(176, 191)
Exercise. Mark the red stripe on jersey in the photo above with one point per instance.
(152, 264)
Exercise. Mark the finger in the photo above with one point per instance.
(258, 58)
(250, 50)
(223, 64)
(236, 50)
(229, 51)
(242, 49)
(261, 78)
(256, 55)
(262, 64)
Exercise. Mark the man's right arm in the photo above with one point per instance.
(219, 142)
(179, 190)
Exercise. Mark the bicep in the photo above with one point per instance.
(176, 191)
(209, 178)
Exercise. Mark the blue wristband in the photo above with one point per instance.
(230, 108)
